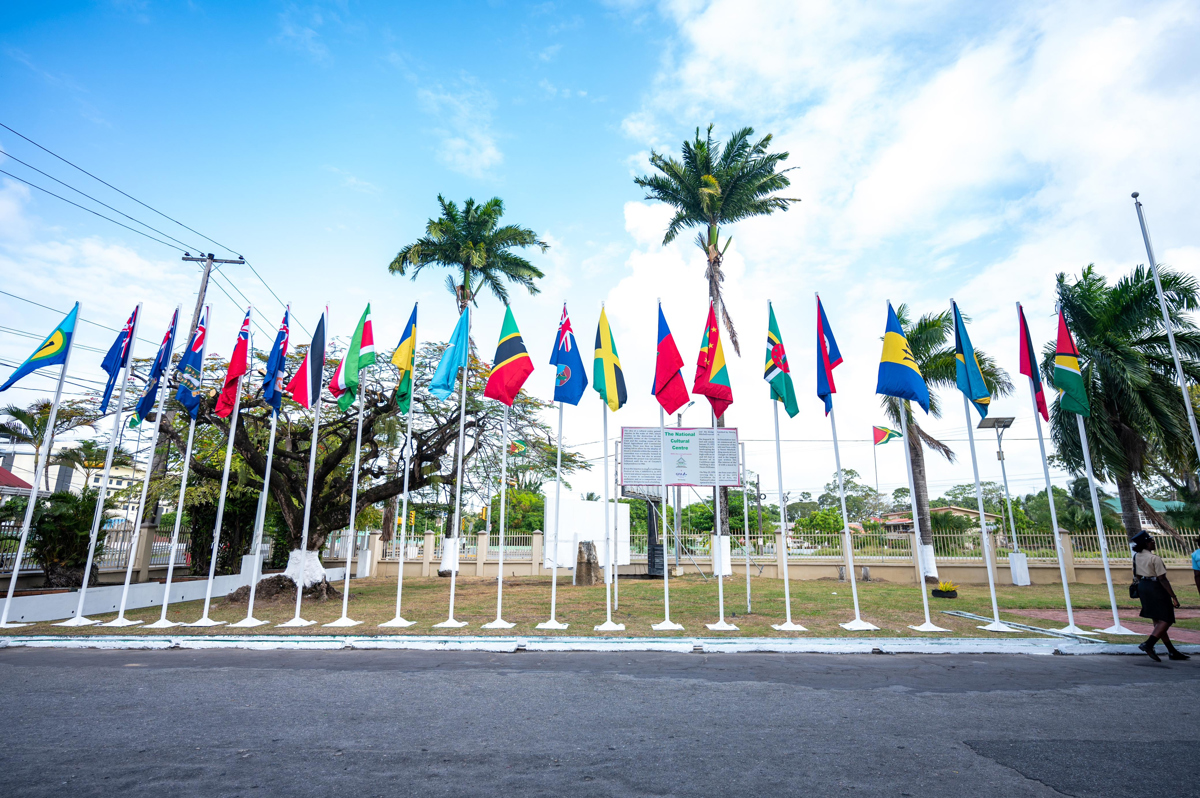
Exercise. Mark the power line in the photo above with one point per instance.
(86, 321)
(36, 337)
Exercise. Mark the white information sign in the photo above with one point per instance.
(689, 456)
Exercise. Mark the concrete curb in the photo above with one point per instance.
(508, 645)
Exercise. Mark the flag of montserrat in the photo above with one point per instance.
(607, 377)
(899, 375)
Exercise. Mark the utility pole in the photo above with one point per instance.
(208, 261)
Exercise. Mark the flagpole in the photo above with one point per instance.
(746, 526)
(302, 564)
(929, 625)
(874, 457)
(996, 625)
(858, 624)
(260, 518)
(346, 620)
(43, 455)
(1116, 628)
(500, 623)
(787, 625)
(79, 619)
(135, 537)
(1162, 306)
(450, 622)
(553, 623)
(616, 520)
(609, 539)
(666, 623)
(718, 549)
(399, 621)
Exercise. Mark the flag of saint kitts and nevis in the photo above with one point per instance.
(607, 378)
(1068, 378)
(712, 374)
(776, 371)
(512, 364)
(404, 359)
(344, 385)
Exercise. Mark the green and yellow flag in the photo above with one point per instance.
(1068, 379)
(607, 377)
(403, 359)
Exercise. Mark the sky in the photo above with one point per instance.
(939, 150)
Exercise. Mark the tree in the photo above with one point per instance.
(1129, 375)
(964, 496)
(900, 500)
(474, 244)
(927, 340)
(862, 501)
(60, 534)
(88, 456)
(28, 425)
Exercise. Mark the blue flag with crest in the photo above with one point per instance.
(570, 381)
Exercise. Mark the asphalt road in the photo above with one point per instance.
(362, 723)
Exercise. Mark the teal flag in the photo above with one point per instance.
(453, 358)
(966, 366)
(51, 352)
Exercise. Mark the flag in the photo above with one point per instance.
(117, 358)
(454, 356)
(146, 401)
(517, 448)
(344, 385)
(512, 364)
(277, 365)
(884, 435)
(239, 364)
(712, 376)
(898, 372)
(305, 385)
(828, 358)
(776, 371)
(52, 351)
(569, 380)
(1072, 396)
(966, 367)
(1029, 366)
(403, 359)
(669, 388)
(191, 368)
(607, 378)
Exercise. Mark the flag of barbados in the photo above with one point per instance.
(899, 375)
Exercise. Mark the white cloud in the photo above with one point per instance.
(548, 53)
(353, 183)
(466, 143)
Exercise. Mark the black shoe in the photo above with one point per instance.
(1150, 652)
(1178, 655)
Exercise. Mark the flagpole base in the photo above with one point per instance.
(609, 626)
(206, 622)
(667, 626)
(499, 623)
(859, 625)
(1074, 630)
(1118, 629)
(928, 626)
(396, 623)
(162, 624)
(552, 624)
(247, 623)
(788, 627)
(294, 623)
(722, 626)
(122, 622)
(999, 626)
(13, 625)
(343, 621)
(80, 621)
(450, 623)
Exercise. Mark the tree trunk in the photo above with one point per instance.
(922, 489)
(1129, 507)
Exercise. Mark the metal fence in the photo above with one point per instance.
(118, 546)
(160, 551)
(516, 546)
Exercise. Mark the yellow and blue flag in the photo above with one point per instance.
(404, 359)
(899, 375)
(607, 378)
(52, 351)
(966, 367)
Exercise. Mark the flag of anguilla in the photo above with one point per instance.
(899, 375)
(52, 351)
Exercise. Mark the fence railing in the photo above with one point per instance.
(413, 548)
(118, 546)
(160, 550)
(516, 546)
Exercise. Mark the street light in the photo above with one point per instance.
(1000, 424)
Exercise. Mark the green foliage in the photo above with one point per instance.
(826, 520)
(88, 457)
(525, 511)
(964, 496)
(862, 501)
(59, 534)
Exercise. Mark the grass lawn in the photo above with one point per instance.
(819, 605)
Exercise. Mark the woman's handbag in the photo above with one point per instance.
(1133, 586)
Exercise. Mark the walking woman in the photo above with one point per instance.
(1158, 597)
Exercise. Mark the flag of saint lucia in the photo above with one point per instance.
(966, 367)
(898, 372)
(52, 352)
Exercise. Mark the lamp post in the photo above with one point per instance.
(1000, 424)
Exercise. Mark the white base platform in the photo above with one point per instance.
(450, 623)
(722, 626)
(552, 624)
(119, 622)
(247, 623)
(609, 626)
(788, 627)
(928, 626)
(667, 626)
(162, 624)
(343, 621)
(206, 622)
(80, 621)
(499, 623)
(998, 626)
(396, 623)
(1118, 629)
(859, 625)
(295, 623)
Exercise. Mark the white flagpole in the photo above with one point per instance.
(451, 622)
(259, 521)
(79, 619)
(996, 625)
(787, 625)
(929, 625)
(858, 624)
(746, 526)
(121, 620)
(352, 543)
(1166, 317)
(500, 623)
(609, 541)
(616, 520)
(718, 549)
(399, 621)
(553, 623)
(42, 458)
(666, 624)
(312, 465)
(1116, 628)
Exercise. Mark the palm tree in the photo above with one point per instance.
(1137, 410)
(88, 456)
(27, 425)
(927, 339)
(474, 244)
(716, 185)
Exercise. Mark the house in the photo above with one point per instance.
(1161, 507)
(901, 521)
(12, 485)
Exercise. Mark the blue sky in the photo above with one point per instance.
(942, 150)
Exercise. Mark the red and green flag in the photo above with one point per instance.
(884, 435)
(344, 385)
(712, 373)
(1068, 379)
(511, 366)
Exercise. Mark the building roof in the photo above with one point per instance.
(10, 480)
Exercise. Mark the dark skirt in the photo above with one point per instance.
(1156, 604)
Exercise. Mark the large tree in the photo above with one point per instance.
(1137, 408)
(931, 341)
